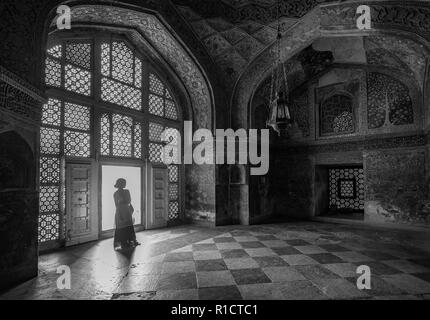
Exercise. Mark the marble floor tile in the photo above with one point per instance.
(281, 274)
(214, 279)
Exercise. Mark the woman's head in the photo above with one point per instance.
(120, 183)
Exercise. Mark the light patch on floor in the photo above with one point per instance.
(278, 261)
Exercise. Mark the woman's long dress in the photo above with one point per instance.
(124, 231)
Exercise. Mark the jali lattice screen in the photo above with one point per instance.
(346, 188)
(104, 95)
(337, 115)
(65, 131)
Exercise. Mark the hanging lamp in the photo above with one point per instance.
(279, 111)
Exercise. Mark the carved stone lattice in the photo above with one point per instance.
(105, 148)
(160, 100)
(49, 170)
(50, 141)
(51, 112)
(52, 73)
(346, 187)
(137, 149)
(167, 46)
(49, 227)
(155, 130)
(122, 135)
(336, 115)
(77, 144)
(173, 171)
(65, 131)
(19, 103)
(77, 80)
(76, 116)
(156, 153)
(122, 62)
(121, 94)
(77, 53)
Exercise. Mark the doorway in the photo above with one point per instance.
(340, 192)
(133, 176)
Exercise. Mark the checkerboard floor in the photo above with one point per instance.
(299, 261)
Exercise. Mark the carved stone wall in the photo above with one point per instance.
(19, 122)
(396, 185)
(389, 102)
(299, 160)
(20, 38)
(18, 230)
(291, 183)
(402, 53)
(247, 60)
(338, 106)
(395, 180)
(200, 194)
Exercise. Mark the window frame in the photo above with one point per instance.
(94, 100)
(353, 112)
(98, 107)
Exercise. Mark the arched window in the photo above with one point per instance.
(336, 115)
(107, 102)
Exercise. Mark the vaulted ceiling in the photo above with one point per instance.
(232, 45)
(401, 54)
(236, 32)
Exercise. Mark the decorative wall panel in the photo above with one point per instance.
(336, 115)
(389, 102)
(346, 189)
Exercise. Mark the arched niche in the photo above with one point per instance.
(146, 29)
(18, 210)
(16, 162)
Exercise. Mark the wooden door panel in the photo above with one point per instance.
(81, 218)
(158, 202)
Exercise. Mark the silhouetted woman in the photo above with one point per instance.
(124, 231)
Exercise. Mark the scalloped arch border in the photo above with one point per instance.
(153, 30)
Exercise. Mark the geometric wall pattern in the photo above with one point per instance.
(157, 134)
(346, 188)
(401, 53)
(174, 180)
(122, 75)
(120, 136)
(160, 100)
(231, 45)
(77, 66)
(156, 155)
(65, 131)
(336, 115)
